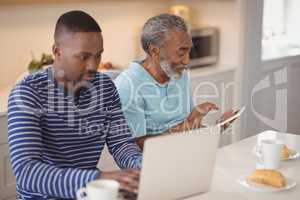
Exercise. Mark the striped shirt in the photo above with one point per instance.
(56, 137)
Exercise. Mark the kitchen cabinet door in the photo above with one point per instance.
(218, 89)
(215, 88)
(3, 130)
(7, 179)
(293, 98)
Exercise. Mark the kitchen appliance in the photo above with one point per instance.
(205, 50)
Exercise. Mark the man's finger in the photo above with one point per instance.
(133, 175)
(133, 171)
(133, 181)
(129, 188)
(212, 105)
(228, 114)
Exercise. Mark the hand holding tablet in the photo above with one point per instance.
(235, 116)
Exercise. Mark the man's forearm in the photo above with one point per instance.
(179, 127)
(141, 140)
(53, 181)
(193, 121)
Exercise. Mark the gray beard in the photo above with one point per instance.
(166, 67)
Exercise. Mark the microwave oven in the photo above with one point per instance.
(205, 49)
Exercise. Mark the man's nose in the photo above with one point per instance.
(92, 65)
(186, 59)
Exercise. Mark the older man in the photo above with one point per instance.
(59, 119)
(155, 92)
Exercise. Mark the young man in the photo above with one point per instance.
(155, 92)
(59, 119)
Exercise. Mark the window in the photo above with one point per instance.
(274, 19)
(280, 29)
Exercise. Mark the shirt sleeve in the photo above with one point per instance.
(26, 142)
(119, 140)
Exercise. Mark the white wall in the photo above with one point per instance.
(26, 28)
(221, 14)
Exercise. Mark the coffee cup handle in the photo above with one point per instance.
(261, 159)
(81, 194)
(261, 155)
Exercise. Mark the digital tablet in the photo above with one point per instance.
(237, 114)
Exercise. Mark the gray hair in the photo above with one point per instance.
(158, 28)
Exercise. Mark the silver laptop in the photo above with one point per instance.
(178, 166)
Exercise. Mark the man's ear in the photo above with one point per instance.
(56, 50)
(154, 51)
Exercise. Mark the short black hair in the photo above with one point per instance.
(75, 21)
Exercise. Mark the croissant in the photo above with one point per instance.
(285, 153)
(268, 177)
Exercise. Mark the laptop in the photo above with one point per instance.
(178, 166)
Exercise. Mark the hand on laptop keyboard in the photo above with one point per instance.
(128, 178)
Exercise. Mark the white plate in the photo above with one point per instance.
(264, 188)
(294, 154)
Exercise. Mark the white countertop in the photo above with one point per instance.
(236, 160)
(4, 92)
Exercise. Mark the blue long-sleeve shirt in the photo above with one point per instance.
(56, 139)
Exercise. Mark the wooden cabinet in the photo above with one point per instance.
(217, 88)
(7, 179)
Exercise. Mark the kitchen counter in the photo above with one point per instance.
(209, 70)
(276, 53)
(194, 73)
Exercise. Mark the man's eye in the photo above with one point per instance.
(98, 56)
(181, 54)
(83, 57)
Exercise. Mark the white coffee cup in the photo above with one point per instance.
(99, 189)
(271, 153)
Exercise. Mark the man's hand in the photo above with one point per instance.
(128, 178)
(204, 108)
(194, 120)
(226, 116)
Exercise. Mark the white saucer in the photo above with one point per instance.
(294, 154)
(243, 180)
